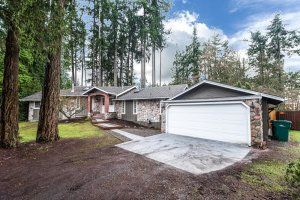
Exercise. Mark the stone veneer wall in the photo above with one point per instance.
(148, 110)
(118, 109)
(255, 121)
(30, 111)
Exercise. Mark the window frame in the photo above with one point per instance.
(35, 107)
(134, 107)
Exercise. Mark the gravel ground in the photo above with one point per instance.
(94, 168)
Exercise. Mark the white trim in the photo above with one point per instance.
(136, 107)
(134, 87)
(34, 107)
(123, 104)
(215, 99)
(214, 103)
(97, 89)
(151, 98)
(229, 87)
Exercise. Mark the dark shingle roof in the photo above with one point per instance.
(78, 91)
(164, 92)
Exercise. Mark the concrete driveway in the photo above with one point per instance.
(193, 155)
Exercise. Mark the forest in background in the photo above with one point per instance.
(262, 71)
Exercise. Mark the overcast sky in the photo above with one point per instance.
(232, 19)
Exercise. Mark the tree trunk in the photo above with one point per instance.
(72, 64)
(9, 119)
(100, 43)
(75, 66)
(82, 63)
(153, 65)
(160, 67)
(48, 122)
(115, 64)
(143, 77)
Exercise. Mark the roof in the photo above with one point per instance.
(162, 92)
(111, 89)
(264, 95)
(80, 91)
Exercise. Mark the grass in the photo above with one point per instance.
(270, 174)
(295, 136)
(66, 130)
(266, 174)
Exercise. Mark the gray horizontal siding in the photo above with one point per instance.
(210, 92)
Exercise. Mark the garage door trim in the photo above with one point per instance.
(214, 103)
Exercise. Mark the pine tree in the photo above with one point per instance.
(48, 122)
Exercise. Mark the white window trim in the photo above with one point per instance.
(136, 108)
(35, 106)
(123, 111)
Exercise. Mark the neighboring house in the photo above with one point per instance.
(88, 100)
(220, 112)
(127, 103)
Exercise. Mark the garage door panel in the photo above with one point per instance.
(227, 122)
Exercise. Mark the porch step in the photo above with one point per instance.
(107, 126)
(99, 120)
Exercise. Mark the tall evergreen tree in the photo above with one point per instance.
(282, 42)
(48, 122)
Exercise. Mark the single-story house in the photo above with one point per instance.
(206, 110)
(221, 112)
(127, 103)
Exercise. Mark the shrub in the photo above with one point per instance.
(293, 173)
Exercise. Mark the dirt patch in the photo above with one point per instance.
(95, 169)
(144, 132)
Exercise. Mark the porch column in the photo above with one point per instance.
(88, 106)
(106, 103)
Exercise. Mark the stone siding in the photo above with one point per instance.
(148, 111)
(256, 122)
(118, 109)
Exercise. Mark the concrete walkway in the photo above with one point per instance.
(128, 135)
(193, 155)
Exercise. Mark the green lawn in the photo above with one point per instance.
(270, 173)
(295, 136)
(66, 130)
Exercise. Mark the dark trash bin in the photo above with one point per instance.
(281, 129)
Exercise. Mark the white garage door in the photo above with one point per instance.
(228, 122)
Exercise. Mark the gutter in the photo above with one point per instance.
(214, 99)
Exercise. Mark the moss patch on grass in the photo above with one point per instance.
(66, 130)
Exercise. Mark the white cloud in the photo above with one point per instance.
(184, 1)
(237, 5)
(261, 22)
(181, 27)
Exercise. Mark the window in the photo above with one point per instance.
(123, 107)
(37, 104)
(111, 102)
(134, 107)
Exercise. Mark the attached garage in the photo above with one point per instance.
(215, 111)
(223, 121)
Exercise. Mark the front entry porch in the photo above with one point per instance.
(100, 105)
